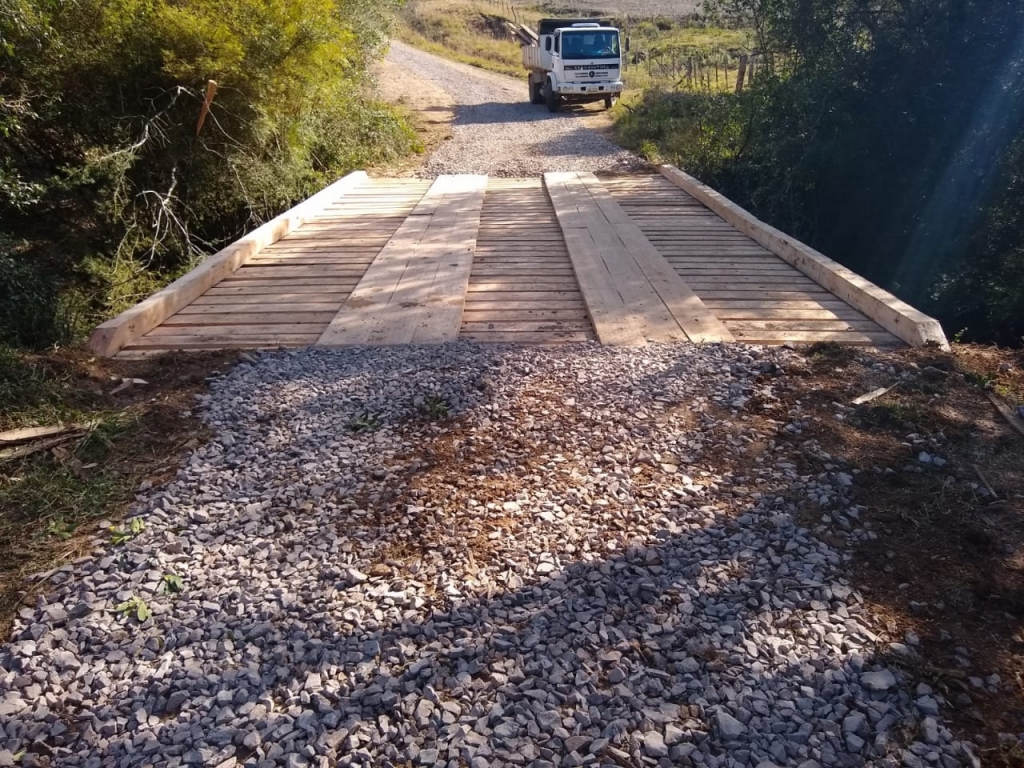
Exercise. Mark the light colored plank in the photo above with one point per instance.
(111, 336)
(438, 318)
(288, 292)
(727, 314)
(508, 337)
(524, 326)
(893, 314)
(612, 320)
(415, 288)
(265, 330)
(880, 338)
(233, 307)
(248, 319)
(687, 309)
(218, 341)
(806, 325)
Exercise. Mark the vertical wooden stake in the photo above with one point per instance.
(741, 76)
(211, 91)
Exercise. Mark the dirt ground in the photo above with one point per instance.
(946, 571)
(429, 107)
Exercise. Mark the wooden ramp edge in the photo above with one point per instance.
(415, 290)
(632, 293)
(893, 314)
(110, 337)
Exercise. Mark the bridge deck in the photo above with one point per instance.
(760, 298)
(568, 258)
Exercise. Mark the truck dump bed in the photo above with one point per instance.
(548, 26)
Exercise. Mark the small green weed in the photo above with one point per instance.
(434, 407)
(134, 606)
(364, 422)
(173, 583)
(59, 528)
(120, 535)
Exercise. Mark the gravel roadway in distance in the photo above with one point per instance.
(477, 556)
(497, 131)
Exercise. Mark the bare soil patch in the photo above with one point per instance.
(946, 571)
(429, 107)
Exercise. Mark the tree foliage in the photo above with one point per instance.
(889, 133)
(102, 172)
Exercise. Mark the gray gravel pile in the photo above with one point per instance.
(471, 556)
(497, 131)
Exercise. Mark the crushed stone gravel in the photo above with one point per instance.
(497, 132)
(476, 556)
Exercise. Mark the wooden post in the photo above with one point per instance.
(211, 91)
(741, 76)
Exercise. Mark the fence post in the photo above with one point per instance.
(741, 76)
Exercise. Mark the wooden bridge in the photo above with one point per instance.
(570, 257)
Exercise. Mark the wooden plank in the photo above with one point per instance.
(503, 294)
(220, 341)
(883, 338)
(612, 320)
(439, 316)
(256, 293)
(247, 319)
(689, 311)
(264, 329)
(506, 337)
(232, 307)
(727, 314)
(805, 325)
(111, 336)
(416, 286)
(557, 326)
(505, 314)
(891, 313)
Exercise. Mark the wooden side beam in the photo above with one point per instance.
(893, 314)
(114, 334)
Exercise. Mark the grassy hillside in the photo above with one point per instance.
(476, 32)
(473, 32)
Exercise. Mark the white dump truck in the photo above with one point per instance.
(573, 61)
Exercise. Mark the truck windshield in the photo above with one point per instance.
(590, 45)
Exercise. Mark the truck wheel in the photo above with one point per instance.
(551, 98)
(609, 102)
(536, 91)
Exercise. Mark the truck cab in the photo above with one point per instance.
(574, 61)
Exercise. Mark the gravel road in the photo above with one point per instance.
(499, 133)
(471, 556)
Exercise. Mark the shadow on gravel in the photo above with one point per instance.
(492, 113)
(661, 639)
(732, 637)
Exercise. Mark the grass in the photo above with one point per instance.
(474, 32)
(467, 31)
(52, 500)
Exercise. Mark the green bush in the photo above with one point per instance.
(889, 138)
(102, 172)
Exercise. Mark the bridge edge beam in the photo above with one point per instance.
(895, 315)
(111, 336)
